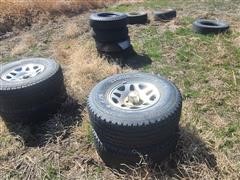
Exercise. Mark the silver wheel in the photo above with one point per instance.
(134, 96)
(23, 72)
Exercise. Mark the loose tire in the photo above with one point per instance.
(110, 36)
(165, 15)
(148, 124)
(117, 47)
(204, 26)
(30, 88)
(137, 18)
(107, 20)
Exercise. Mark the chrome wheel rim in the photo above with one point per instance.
(134, 96)
(23, 72)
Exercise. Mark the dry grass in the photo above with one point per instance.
(84, 69)
(206, 68)
(72, 30)
(27, 41)
(23, 13)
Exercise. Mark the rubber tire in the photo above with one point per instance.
(115, 156)
(102, 21)
(165, 15)
(111, 47)
(120, 56)
(137, 18)
(110, 36)
(26, 98)
(135, 128)
(204, 26)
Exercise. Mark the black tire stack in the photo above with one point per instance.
(137, 18)
(30, 90)
(123, 135)
(110, 32)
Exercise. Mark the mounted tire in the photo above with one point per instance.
(30, 88)
(135, 110)
(115, 156)
(165, 15)
(110, 36)
(108, 20)
(204, 26)
(137, 18)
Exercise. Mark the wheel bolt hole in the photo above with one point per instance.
(18, 69)
(152, 98)
(141, 86)
(117, 94)
(122, 88)
(115, 100)
(25, 77)
(132, 87)
(14, 74)
(149, 92)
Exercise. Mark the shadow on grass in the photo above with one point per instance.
(57, 126)
(128, 57)
(191, 152)
(137, 61)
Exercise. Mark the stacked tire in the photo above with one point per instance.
(111, 34)
(30, 89)
(134, 116)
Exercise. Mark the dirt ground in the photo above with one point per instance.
(206, 69)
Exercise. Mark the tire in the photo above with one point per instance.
(137, 18)
(35, 96)
(115, 156)
(116, 47)
(135, 127)
(110, 36)
(204, 26)
(122, 55)
(165, 15)
(108, 20)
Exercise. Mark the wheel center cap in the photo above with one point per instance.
(133, 98)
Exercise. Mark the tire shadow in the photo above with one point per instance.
(48, 130)
(137, 61)
(128, 57)
(190, 151)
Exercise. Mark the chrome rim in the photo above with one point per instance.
(134, 96)
(23, 72)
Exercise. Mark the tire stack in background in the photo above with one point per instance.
(110, 32)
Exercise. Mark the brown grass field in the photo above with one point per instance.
(205, 68)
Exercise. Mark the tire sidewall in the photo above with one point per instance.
(169, 95)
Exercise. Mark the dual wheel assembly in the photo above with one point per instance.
(134, 116)
(30, 90)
